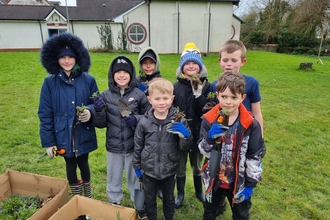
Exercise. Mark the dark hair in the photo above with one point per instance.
(233, 80)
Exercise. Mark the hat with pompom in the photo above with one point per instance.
(191, 53)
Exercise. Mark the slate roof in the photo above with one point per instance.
(86, 10)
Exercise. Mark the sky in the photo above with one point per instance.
(69, 2)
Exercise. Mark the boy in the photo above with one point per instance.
(120, 129)
(149, 64)
(240, 145)
(158, 142)
(68, 85)
(190, 92)
(232, 58)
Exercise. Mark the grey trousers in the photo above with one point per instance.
(116, 164)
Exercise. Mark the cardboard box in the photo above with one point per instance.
(29, 184)
(94, 209)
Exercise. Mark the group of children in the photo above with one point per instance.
(152, 126)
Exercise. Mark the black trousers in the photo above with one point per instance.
(151, 187)
(71, 168)
(240, 211)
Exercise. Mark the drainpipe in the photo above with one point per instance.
(148, 2)
(178, 28)
(42, 37)
(209, 29)
(67, 15)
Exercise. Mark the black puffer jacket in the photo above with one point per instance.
(119, 137)
(191, 106)
(157, 152)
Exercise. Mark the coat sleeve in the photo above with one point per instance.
(205, 146)
(185, 143)
(144, 105)
(100, 118)
(253, 156)
(139, 140)
(46, 116)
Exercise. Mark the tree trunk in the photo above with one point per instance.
(306, 66)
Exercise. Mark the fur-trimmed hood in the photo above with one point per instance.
(50, 50)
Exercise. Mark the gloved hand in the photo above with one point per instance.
(243, 194)
(84, 116)
(49, 151)
(216, 131)
(98, 104)
(130, 121)
(197, 86)
(178, 128)
(207, 107)
(143, 86)
(139, 174)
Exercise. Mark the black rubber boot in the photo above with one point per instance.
(87, 189)
(180, 184)
(199, 189)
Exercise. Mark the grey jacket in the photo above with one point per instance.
(157, 152)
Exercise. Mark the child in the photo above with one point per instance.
(149, 64)
(232, 57)
(240, 144)
(69, 85)
(190, 92)
(120, 129)
(158, 142)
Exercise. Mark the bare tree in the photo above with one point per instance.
(310, 18)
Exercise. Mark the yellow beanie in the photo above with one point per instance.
(190, 47)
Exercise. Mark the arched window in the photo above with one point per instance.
(136, 33)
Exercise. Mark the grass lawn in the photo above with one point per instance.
(296, 175)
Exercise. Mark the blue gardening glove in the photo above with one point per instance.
(98, 104)
(216, 131)
(130, 121)
(143, 86)
(179, 129)
(243, 194)
(139, 174)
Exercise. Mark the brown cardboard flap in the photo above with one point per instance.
(95, 209)
(29, 184)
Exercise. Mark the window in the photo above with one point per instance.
(136, 33)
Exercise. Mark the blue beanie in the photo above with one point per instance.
(66, 51)
(193, 57)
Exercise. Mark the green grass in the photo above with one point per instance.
(294, 103)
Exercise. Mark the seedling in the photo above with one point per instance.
(80, 110)
(95, 94)
(195, 81)
(179, 115)
(210, 97)
(21, 207)
(143, 76)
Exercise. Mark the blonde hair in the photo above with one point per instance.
(161, 84)
(230, 46)
(233, 80)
